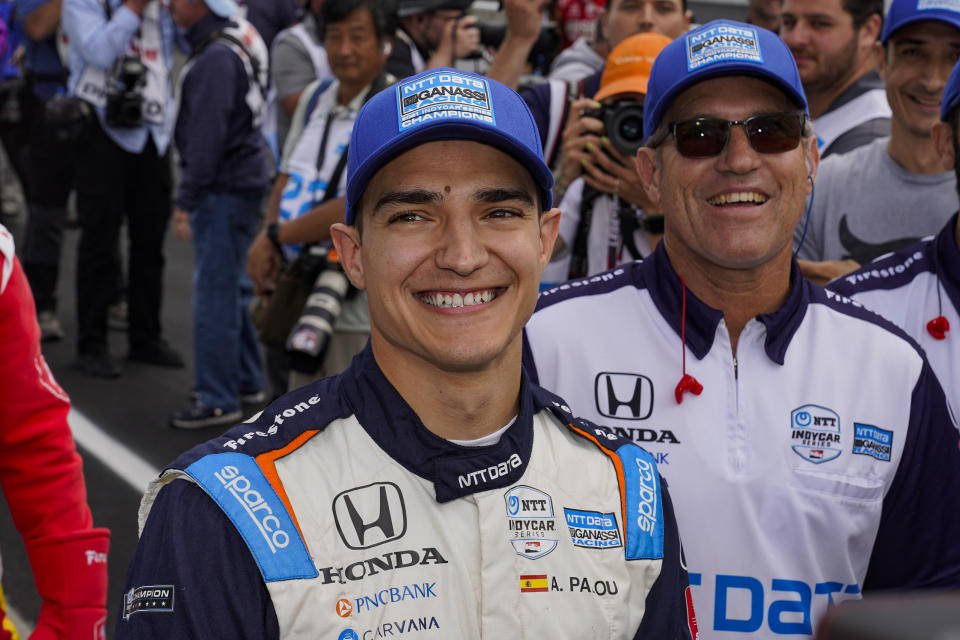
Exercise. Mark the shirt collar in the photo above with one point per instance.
(454, 470)
(665, 289)
(204, 27)
(946, 257)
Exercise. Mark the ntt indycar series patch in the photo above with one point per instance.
(723, 42)
(443, 95)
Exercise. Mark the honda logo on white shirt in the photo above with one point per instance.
(625, 396)
(370, 515)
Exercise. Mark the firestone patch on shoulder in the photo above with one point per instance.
(721, 43)
(152, 598)
(443, 95)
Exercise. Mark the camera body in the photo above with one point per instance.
(125, 93)
(622, 124)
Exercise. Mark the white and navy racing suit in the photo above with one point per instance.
(817, 462)
(913, 287)
(337, 514)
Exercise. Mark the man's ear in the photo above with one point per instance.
(649, 170)
(549, 228)
(943, 141)
(880, 54)
(347, 241)
(869, 32)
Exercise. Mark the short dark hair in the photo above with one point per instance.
(383, 12)
(861, 10)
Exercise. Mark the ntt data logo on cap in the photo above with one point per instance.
(722, 42)
(447, 95)
(945, 5)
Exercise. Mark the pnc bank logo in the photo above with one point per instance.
(370, 515)
(624, 396)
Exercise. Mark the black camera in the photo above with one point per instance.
(310, 338)
(125, 93)
(543, 50)
(622, 124)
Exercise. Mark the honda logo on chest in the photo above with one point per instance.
(625, 396)
(370, 515)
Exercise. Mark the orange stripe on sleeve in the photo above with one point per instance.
(268, 465)
(617, 465)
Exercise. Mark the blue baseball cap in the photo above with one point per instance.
(719, 48)
(223, 8)
(904, 12)
(951, 93)
(442, 104)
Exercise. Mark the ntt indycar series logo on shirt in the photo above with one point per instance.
(447, 95)
(815, 433)
(723, 42)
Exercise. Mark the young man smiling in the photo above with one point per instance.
(866, 200)
(800, 429)
(439, 493)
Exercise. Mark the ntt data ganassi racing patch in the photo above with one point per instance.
(151, 598)
(723, 42)
(443, 95)
(872, 441)
(592, 529)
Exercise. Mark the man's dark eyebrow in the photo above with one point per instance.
(493, 196)
(409, 196)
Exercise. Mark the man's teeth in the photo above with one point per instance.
(449, 301)
(739, 196)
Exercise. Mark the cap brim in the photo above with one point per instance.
(447, 130)
(635, 84)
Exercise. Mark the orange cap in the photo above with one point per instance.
(628, 65)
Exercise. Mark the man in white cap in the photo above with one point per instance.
(222, 182)
(807, 441)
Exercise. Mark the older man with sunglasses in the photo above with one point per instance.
(808, 444)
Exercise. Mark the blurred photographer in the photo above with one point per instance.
(606, 217)
(307, 196)
(432, 33)
(120, 59)
(52, 123)
(221, 103)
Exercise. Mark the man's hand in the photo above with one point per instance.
(824, 272)
(578, 132)
(524, 18)
(181, 225)
(464, 35)
(263, 264)
(612, 172)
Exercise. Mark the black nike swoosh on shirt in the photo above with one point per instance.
(863, 251)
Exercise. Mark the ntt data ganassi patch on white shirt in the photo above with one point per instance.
(723, 42)
(443, 95)
(944, 5)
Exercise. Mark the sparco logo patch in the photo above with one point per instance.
(872, 441)
(815, 433)
(592, 529)
(370, 515)
(530, 521)
(624, 396)
(151, 598)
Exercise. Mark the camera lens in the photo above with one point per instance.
(631, 128)
(626, 127)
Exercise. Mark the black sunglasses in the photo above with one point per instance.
(705, 137)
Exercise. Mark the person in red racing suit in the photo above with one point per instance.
(42, 476)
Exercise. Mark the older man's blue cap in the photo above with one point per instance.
(442, 104)
(951, 93)
(719, 48)
(904, 12)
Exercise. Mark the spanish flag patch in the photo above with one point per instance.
(534, 583)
